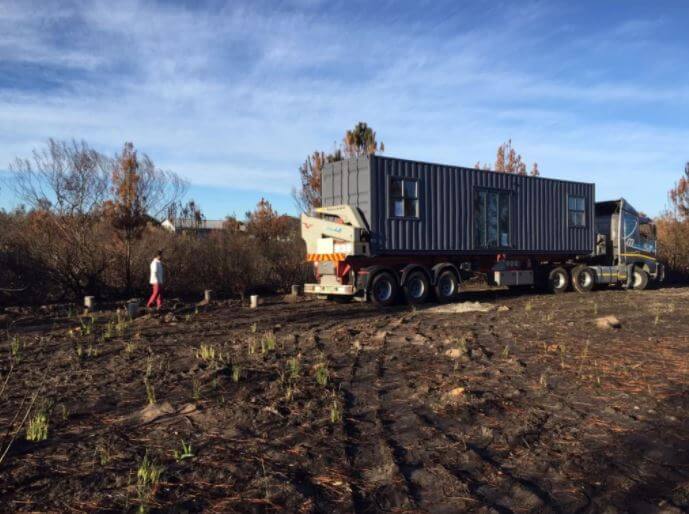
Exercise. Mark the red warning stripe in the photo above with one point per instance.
(321, 257)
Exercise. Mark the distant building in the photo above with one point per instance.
(201, 226)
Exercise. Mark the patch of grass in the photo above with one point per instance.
(322, 374)
(121, 325)
(130, 347)
(37, 429)
(109, 330)
(147, 480)
(335, 411)
(87, 325)
(236, 373)
(92, 351)
(529, 306)
(78, 350)
(150, 390)
(207, 353)
(268, 342)
(184, 453)
(583, 357)
(195, 389)
(16, 349)
(293, 367)
(253, 328)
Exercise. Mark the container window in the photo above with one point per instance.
(404, 198)
(577, 211)
(492, 219)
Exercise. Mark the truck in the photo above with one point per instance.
(391, 229)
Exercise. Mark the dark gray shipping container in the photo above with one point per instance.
(424, 208)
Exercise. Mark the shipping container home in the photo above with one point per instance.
(388, 225)
(418, 207)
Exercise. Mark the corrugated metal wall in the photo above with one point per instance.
(538, 207)
(348, 183)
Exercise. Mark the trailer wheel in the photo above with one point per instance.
(640, 279)
(384, 289)
(558, 280)
(583, 279)
(416, 288)
(447, 286)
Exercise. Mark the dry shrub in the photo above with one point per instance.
(673, 245)
(46, 262)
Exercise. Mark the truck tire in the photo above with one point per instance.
(558, 280)
(583, 279)
(639, 279)
(416, 288)
(384, 289)
(447, 286)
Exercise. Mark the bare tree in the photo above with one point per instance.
(66, 178)
(679, 195)
(64, 185)
(361, 141)
(309, 196)
(507, 160)
(358, 142)
(140, 191)
(76, 197)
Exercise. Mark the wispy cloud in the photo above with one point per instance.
(236, 95)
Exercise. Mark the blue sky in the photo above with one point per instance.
(234, 95)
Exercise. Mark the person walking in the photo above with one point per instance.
(156, 281)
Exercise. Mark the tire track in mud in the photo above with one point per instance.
(382, 430)
(419, 464)
(487, 341)
(387, 422)
(396, 409)
(377, 474)
(431, 420)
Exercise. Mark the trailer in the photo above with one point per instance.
(392, 227)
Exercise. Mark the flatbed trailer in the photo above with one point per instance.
(390, 227)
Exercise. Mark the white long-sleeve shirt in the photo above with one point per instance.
(156, 271)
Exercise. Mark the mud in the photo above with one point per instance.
(312, 406)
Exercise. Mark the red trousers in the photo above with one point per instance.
(156, 296)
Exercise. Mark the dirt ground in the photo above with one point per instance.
(518, 403)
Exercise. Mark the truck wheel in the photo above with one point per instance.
(447, 286)
(558, 280)
(583, 279)
(416, 288)
(384, 289)
(640, 279)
